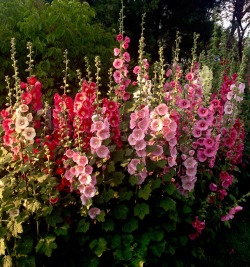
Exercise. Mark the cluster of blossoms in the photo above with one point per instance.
(121, 67)
(21, 121)
(198, 226)
(231, 213)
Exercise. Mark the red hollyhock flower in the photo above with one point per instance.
(32, 80)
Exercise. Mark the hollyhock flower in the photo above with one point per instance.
(188, 184)
(193, 236)
(202, 125)
(222, 193)
(118, 63)
(88, 169)
(190, 76)
(168, 73)
(228, 109)
(23, 85)
(29, 133)
(89, 191)
(68, 175)
(143, 124)
(169, 135)
(93, 212)
(26, 98)
(213, 187)
(191, 171)
(117, 76)
(140, 145)
(116, 52)
(102, 152)
(84, 112)
(210, 152)
(13, 213)
(201, 156)
(227, 182)
(190, 163)
(80, 169)
(156, 125)
(21, 122)
(172, 161)
(23, 108)
(138, 134)
(162, 109)
(82, 160)
(84, 179)
(141, 153)
(114, 120)
(202, 112)
(126, 96)
(133, 163)
(184, 103)
(125, 45)
(126, 56)
(173, 142)
(173, 126)
(208, 142)
(103, 134)
(97, 126)
(119, 37)
(136, 70)
(198, 225)
(230, 95)
(229, 142)
(69, 153)
(158, 151)
(95, 142)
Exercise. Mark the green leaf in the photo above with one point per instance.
(83, 226)
(117, 178)
(98, 246)
(107, 195)
(101, 216)
(158, 248)
(133, 180)
(140, 166)
(156, 184)
(108, 226)
(116, 241)
(130, 226)
(168, 204)
(3, 231)
(125, 195)
(62, 230)
(161, 164)
(24, 245)
(120, 211)
(46, 245)
(170, 189)
(118, 156)
(145, 192)
(33, 205)
(111, 166)
(26, 261)
(54, 218)
(187, 209)
(157, 235)
(141, 210)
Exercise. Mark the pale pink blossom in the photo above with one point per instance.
(172, 161)
(103, 134)
(102, 152)
(74, 171)
(69, 153)
(88, 169)
(82, 161)
(93, 212)
(95, 142)
(173, 142)
(84, 179)
(29, 133)
(141, 153)
(68, 175)
(190, 162)
(21, 122)
(116, 52)
(162, 109)
(23, 108)
(126, 56)
(118, 63)
(136, 70)
(138, 134)
(140, 145)
(228, 109)
(156, 125)
(157, 151)
(89, 191)
(143, 124)
(131, 140)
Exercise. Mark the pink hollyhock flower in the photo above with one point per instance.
(190, 163)
(68, 175)
(169, 135)
(103, 134)
(213, 187)
(133, 163)
(74, 171)
(198, 225)
(230, 95)
(222, 193)
(211, 162)
(191, 171)
(126, 96)
(201, 156)
(173, 125)
(208, 142)
(188, 184)
(162, 109)
(116, 52)
(173, 152)
(82, 161)
(140, 114)
(141, 153)
(173, 142)
(191, 153)
(97, 126)
(80, 169)
(202, 125)
(118, 63)
(168, 73)
(193, 236)
(166, 122)
(69, 153)
(202, 112)
(93, 212)
(136, 70)
(85, 179)
(126, 56)
(26, 98)
(210, 152)
(143, 124)
(23, 85)
(89, 191)
(184, 103)
(119, 37)
(88, 169)
(227, 182)
(228, 109)
(190, 76)
(102, 152)
(156, 125)
(172, 161)
(229, 142)
(23, 108)
(131, 140)
(117, 76)
(76, 157)
(111, 105)
(140, 145)
(138, 134)
(95, 142)
(125, 45)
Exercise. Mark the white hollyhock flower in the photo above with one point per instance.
(29, 133)
(21, 122)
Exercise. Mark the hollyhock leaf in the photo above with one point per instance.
(187, 209)
(130, 226)
(15, 228)
(116, 241)
(111, 166)
(125, 195)
(127, 239)
(98, 246)
(158, 248)
(24, 245)
(141, 210)
(183, 240)
(46, 245)
(24, 261)
(127, 253)
(170, 189)
(140, 166)
(101, 216)
(128, 152)
(42, 177)
(107, 195)
(117, 179)
(83, 226)
(108, 226)
(157, 235)
(156, 184)
(33, 205)
(170, 226)
(63, 230)
(168, 204)
(120, 211)
(173, 215)
(145, 192)
(118, 156)
(54, 218)
(133, 180)
(162, 163)
(3, 231)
